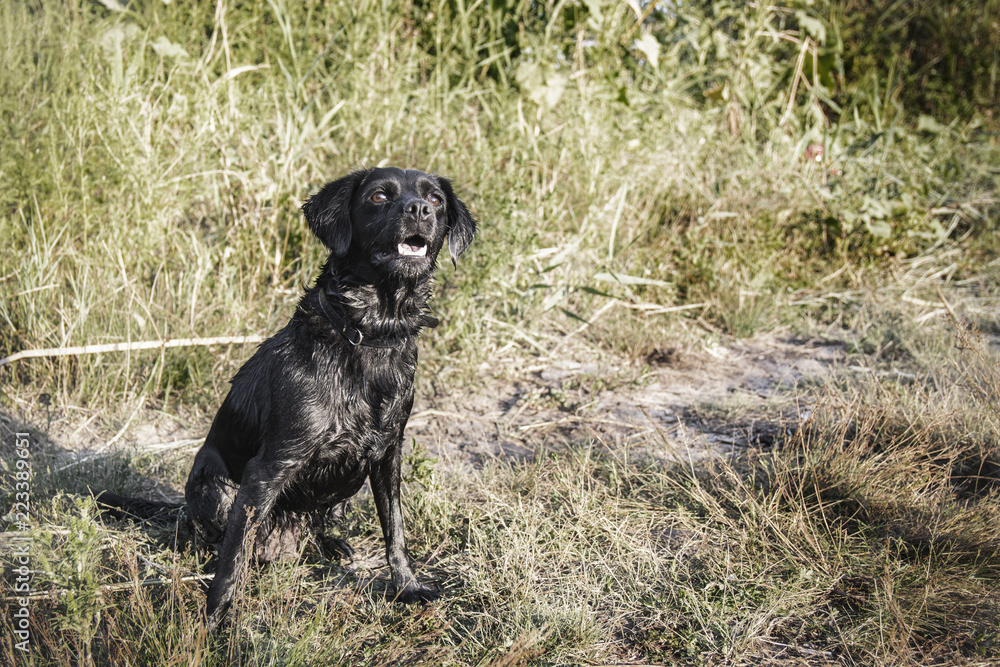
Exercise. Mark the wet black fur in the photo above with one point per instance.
(311, 415)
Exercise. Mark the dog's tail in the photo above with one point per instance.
(120, 507)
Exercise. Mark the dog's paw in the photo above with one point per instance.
(214, 618)
(335, 548)
(217, 605)
(414, 592)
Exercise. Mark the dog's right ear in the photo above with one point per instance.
(328, 212)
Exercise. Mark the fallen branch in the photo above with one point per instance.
(129, 347)
(109, 588)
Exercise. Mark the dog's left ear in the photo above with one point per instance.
(328, 212)
(461, 224)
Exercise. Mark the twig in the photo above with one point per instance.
(796, 77)
(446, 413)
(186, 576)
(112, 588)
(128, 347)
(576, 420)
(800, 649)
(653, 309)
(523, 335)
(176, 444)
(930, 315)
(947, 305)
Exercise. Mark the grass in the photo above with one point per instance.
(633, 196)
(869, 536)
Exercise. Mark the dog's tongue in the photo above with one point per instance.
(408, 250)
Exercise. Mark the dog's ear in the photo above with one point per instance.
(461, 224)
(328, 212)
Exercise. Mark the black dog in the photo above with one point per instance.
(322, 405)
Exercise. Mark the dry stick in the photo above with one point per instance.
(187, 576)
(111, 588)
(796, 77)
(446, 413)
(800, 649)
(128, 347)
(947, 305)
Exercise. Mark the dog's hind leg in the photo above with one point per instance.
(210, 494)
(334, 548)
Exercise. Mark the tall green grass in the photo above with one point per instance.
(155, 159)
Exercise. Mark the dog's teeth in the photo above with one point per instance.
(408, 250)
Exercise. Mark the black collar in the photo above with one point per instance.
(343, 325)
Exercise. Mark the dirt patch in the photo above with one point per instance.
(692, 402)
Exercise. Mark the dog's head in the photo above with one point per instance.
(392, 219)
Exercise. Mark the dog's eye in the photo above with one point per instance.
(379, 197)
(434, 200)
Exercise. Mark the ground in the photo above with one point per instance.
(593, 508)
(698, 400)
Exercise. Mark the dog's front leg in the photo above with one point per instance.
(258, 492)
(385, 487)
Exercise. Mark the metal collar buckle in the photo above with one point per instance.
(355, 343)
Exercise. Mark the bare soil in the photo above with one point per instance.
(694, 402)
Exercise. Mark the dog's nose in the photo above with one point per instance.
(418, 208)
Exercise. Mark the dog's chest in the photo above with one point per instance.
(366, 407)
(371, 384)
(334, 473)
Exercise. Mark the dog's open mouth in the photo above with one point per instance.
(412, 246)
